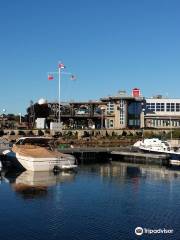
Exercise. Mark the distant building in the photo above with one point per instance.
(162, 112)
(112, 112)
(123, 111)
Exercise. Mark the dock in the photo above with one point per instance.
(140, 157)
(123, 154)
(91, 154)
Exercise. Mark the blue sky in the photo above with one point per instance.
(109, 45)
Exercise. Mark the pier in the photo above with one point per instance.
(138, 157)
(100, 154)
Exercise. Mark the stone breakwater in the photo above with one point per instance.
(93, 137)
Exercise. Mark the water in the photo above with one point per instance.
(98, 202)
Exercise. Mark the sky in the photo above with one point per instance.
(109, 46)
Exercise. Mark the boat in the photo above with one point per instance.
(157, 146)
(38, 154)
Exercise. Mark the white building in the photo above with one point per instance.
(162, 112)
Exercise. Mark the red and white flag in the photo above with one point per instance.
(50, 77)
(61, 65)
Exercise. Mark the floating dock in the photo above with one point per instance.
(102, 154)
(138, 157)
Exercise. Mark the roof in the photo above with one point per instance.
(122, 97)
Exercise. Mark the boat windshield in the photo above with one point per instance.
(166, 144)
(44, 142)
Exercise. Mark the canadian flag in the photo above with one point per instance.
(50, 77)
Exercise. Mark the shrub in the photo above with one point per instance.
(124, 134)
(1, 133)
(22, 133)
(12, 133)
(30, 133)
(40, 133)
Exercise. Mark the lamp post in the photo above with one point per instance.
(20, 116)
(4, 110)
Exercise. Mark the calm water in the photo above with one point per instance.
(98, 202)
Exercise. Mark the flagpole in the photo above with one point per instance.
(59, 120)
(50, 77)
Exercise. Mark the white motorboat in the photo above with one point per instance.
(37, 154)
(155, 145)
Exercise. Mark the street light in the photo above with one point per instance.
(20, 115)
(4, 110)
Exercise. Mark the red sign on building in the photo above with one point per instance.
(136, 92)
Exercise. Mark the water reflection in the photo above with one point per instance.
(122, 171)
(35, 184)
(125, 170)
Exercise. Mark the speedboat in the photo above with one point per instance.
(155, 145)
(38, 154)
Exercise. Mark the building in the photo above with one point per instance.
(161, 112)
(124, 111)
(113, 112)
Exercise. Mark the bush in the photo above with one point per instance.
(40, 133)
(30, 133)
(1, 133)
(22, 133)
(86, 134)
(124, 134)
(47, 131)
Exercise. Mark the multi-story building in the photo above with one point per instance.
(123, 111)
(113, 112)
(162, 112)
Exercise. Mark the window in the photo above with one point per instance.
(159, 107)
(170, 107)
(110, 107)
(110, 123)
(121, 110)
(150, 106)
(177, 107)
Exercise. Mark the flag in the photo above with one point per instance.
(50, 77)
(61, 65)
(73, 77)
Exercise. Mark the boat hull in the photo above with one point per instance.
(174, 158)
(46, 164)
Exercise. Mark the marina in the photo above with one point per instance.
(89, 155)
(89, 120)
(43, 154)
